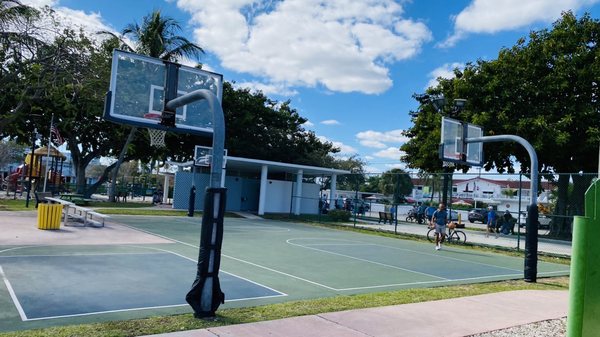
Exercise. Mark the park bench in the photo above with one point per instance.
(80, 214)
(99, 222)
(77, 199)
(40, 197)
(386, 217)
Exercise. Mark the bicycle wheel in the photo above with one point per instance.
(459, 237)
(431, 235)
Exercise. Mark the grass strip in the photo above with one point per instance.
(165, 324)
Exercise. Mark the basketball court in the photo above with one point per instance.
(152, 264)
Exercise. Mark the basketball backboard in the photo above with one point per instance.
(453, 147)
(136, 95)
(474, 151)
(203, 156)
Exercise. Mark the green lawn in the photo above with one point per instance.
(19, 204)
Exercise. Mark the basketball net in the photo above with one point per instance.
(448, 164)
(157, 137)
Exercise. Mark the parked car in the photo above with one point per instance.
(544, 221)
(453, 216)
(478, 214)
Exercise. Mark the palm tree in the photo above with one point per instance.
(12, 11)
(156, 37)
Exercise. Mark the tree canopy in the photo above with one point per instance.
(67, 74)
(544, 89)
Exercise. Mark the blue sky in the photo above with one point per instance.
(349, 66)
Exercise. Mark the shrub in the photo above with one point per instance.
(338, 215)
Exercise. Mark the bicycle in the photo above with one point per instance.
(454, 236)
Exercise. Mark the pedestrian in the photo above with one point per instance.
(439, 220)
(508, 224)
(491, 222)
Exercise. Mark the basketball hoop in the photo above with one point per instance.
(157, 137)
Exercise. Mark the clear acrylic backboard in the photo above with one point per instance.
(453, 147)
(203, 155)
(136, 94)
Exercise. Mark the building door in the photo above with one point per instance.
(250, 195)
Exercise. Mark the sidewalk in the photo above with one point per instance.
(454, 317)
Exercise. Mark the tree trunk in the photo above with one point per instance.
(581, 182)
(561, 207)
(115, 172)
(80, 177)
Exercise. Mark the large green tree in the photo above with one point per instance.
(48, 70)
(544, 89)
(397, 183)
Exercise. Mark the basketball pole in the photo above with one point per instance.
(531, 238)
(205, 296)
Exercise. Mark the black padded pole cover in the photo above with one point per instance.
(531, 244)
(206, 295)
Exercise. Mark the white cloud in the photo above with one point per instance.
(345, 46)
(330, 122)
(268, 89)
(492, 16)
(308, 124)
(378, 140)
(39, 3)
(389, 153)
(444, 71)
(344, 149)
(91, 23)
(372, 169)
(399, 165)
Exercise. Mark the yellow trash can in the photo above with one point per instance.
(49, 216)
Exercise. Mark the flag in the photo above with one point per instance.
(58, 139)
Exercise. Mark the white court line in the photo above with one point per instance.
(327, 287)
(258, 284)
(83, 254)
(280, 272)
(244, 261)
(106, 312)
(226, 272)
(13, 295)
(364, 260)
(24, 316)
(431, 282)
(449, 257)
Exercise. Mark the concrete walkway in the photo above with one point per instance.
(455, 317)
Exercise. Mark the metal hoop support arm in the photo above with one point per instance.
(218, 128)
(531, 241)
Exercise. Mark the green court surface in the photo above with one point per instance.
(262, 262)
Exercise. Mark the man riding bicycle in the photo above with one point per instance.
(439, 220)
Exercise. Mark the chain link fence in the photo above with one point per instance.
(391, 202)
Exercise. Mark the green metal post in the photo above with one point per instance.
(584, 292)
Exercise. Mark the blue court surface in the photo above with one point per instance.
(263, 261)
(46, 287)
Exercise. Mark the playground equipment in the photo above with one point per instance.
(20, 178)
